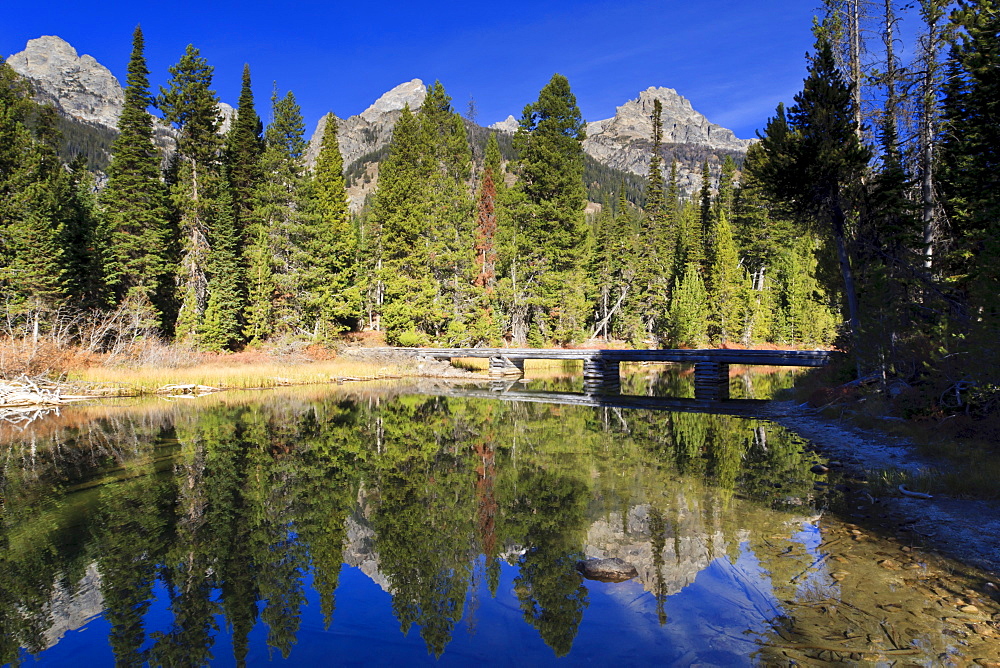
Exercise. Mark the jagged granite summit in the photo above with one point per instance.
(79, 86)
(624, 141)
(508, 124)
(370, 130)
(367, 133)
(681, 125)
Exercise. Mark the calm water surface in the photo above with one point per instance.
(388, 525)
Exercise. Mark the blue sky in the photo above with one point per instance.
(734, 60)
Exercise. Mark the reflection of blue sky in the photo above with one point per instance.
(814, 583)
(707, 622)
(713, 620)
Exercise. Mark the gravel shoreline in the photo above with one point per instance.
(965, 530)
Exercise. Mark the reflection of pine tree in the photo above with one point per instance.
(130, 538)
(424, 519)
(486, 504)
(727, 446)
(658, 538)
(327, 489)
(189, 638)
(228, 519)
(278, 557)
(551, 511)
(690, 437)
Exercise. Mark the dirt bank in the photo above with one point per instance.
(965, 530)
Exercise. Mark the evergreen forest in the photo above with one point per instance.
(866, 217)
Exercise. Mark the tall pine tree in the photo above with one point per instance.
(329, 244)
(273, 302)
(190, 104)
(816, 160)
(549, 217)
(134, 202)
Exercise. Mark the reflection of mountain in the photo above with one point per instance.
(690, 544)
(689, 547)
(70, 609)
(359, 552)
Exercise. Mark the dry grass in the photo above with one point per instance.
(145, 364)
(228, 374)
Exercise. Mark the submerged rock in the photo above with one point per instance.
(607, 570)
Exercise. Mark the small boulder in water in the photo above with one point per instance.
(607, 570)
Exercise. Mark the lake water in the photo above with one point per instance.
(409, 525)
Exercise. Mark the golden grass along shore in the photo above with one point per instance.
(126, 381)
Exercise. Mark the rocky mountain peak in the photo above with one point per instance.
(79, 86)
(624, 141)
(410, 93)
(508, 124)
(365, 136)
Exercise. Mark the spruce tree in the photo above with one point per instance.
(397, 217)
(243, 149)
(36, 274)
(601, 268)
(689, 313)
(816, 160)
(549, 213)
(220, 327)
(727, 289)
(450, 242)
(705, 198)
(424, 211)
(134, 202)
(405, 277)
(50, 255)
(671, 241)
(273, 264)
(727, 183)
(190, 104)
(656, 243)
(329, 245)
(970, 151)
(85, 237)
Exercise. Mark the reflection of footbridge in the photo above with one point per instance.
(601, 368)
(740, 407)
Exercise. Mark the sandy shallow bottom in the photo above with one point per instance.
(963, 529)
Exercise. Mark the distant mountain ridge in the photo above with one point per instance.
(90, 100)
(88, 96)
(363, 138)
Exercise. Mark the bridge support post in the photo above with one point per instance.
(601, 376)
(711, 381)
(501, 365)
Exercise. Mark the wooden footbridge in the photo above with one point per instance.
(602, 368)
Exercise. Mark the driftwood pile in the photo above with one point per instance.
(23, 399)
(26, 392)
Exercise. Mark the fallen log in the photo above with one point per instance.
(189, 389)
